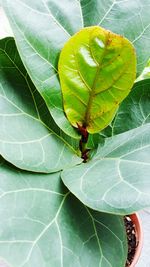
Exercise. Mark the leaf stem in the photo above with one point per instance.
(83, 142)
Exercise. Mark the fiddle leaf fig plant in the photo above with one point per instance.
(75, 131)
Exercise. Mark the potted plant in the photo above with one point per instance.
(75, 160)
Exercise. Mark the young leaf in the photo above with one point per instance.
(97, 69)
(25, 140)
(117, 179)
(42, 224)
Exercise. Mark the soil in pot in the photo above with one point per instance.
(132, 239)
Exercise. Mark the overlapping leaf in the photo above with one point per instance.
(42, 224)
(135, 109)
(133, 112)
(117, 179)
(146, 72)
(25, 140)
(97, 69)
(41, 31)
(42, 27)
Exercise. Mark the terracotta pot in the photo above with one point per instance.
(139, 235)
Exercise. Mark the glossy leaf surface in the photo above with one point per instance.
(43, 225)
(116, 180)
(97, 69)
(41, 29)
(25, 140)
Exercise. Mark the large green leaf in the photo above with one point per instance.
(41, 29)
(25, 140)
(97, 69)
(117, 179)
(43, 225)
(135, 109)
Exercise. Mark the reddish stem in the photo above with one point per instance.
(83, 142)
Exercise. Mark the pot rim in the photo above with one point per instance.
(139, 235)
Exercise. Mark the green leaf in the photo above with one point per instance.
(94, 140)
(40, 43)
(25, 140)
(116, 180)
(42, 224)
(97, 69)
(146, 72)
(128, 18)
(135, 109)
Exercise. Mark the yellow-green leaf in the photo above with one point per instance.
(97, 69)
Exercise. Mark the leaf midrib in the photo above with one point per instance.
(96, 235)
(92, 89)
(45, 229)
(92, 92)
